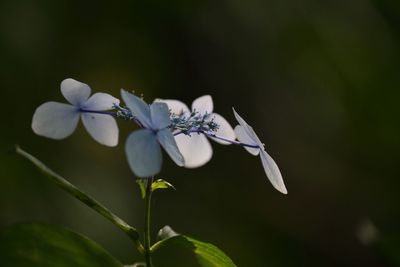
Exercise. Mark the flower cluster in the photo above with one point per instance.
(194, 121)
(169, 124)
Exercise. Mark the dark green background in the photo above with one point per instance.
(318, 80)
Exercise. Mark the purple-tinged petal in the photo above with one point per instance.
(243, 137)
(248, 129)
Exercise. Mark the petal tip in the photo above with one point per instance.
(113, 143)
(181, 163)
(283, 190)
(123, 92)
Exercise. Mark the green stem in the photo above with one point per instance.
(85, 198)
(147, 236)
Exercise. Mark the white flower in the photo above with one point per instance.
(196, 149)
(246, 135)
(143, 146)
(58, 121)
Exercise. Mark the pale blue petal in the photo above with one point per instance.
(138, 107)
(239, 118)
(75, 92)
(272, 171)
(103, 128)
(243, 137)
(175, 106)
(224, 130)
(143, 153)
(159, 115)
(246, 134)
(195, 149)
(253, 134)
(55, 120)
(247, 128)
(167, 141)
(203, 104)
(100, 101)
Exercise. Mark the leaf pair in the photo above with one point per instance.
(42, 245)
(155, 185)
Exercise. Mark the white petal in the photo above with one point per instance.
(248, 129)
(272, 171)
(100, 101)
(143, 153)
(243, 137)
(55, 120)
(167, 141)
(238, 118)
(75, 92)
(225, 129)
(138, 107)
(196, 149)
(159, 115)
(177, 107)
(103, 128)
(203, 104)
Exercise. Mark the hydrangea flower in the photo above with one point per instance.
(246, 134)
(195, 148)
(143, 146)
(58, 121)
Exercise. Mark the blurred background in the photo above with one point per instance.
(318, 80)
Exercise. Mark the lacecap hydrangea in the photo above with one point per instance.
(164, 124)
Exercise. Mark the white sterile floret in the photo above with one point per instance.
(196, 149)
(58, 121)
(142, 147)
(246, 135)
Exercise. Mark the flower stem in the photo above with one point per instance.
(147, 235)
(210, 134)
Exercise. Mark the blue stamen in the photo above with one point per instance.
(180, 124)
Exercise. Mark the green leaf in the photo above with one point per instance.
(62, 183)
(189, 251)
(142, 186)
(160, 184)
(157, 184)
(41, 245)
